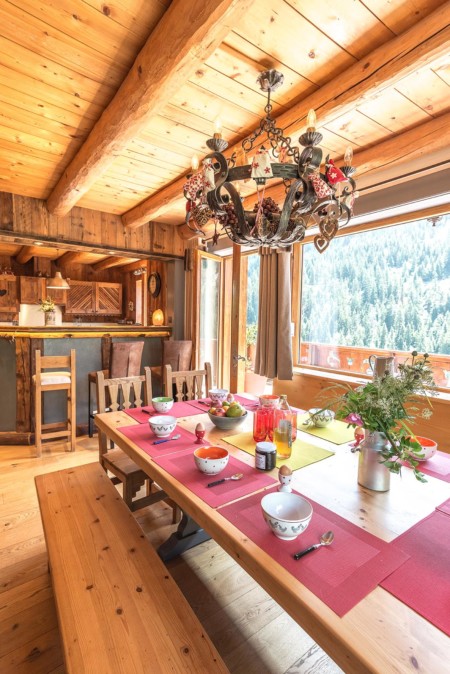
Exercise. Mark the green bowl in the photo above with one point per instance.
(162, 404)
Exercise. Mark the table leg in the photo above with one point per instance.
(188, 535)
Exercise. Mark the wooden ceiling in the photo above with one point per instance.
(103, 104)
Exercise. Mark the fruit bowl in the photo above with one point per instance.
(226, 423)
(287, 515)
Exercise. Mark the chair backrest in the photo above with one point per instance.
(177, 353)
(126, 359)
(187, 384)
(121, 393)
(53, 363)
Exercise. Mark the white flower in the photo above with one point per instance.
(427, 413)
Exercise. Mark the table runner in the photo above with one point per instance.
(444, 507)
(143, 437)
(303, 454)
(423, 581)
(337, 432)
(181, 466)
(438, 466)
(178, 410)
(341, 574)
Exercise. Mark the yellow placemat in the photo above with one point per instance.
(302, 452)
(337, 432)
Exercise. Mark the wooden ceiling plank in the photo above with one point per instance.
(398, 15)
(172, 51)
(134, 15)
(422, 44)
(25, 254)
(71, 257)
(109, 262)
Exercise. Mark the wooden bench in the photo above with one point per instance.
(119, 609)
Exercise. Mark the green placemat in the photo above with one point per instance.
(337, 432)
(302, 452)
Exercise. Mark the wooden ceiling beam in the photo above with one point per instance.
(25, 254)
(109, 262)
(133, 266)
(187, 34)
(71, 256)
(417, 47)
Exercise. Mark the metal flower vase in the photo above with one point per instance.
(50, 317)
(371, 473)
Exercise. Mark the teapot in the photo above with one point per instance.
(381, 364)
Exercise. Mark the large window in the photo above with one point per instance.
(385, 290)
(209, 324)
(252, 305)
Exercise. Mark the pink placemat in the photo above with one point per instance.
(444, 507)
(183, 468)
(178, 410)
(438, 466)
(423, 582)
(143, 437)
(341, 574)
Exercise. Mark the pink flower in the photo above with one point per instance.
(354, 418)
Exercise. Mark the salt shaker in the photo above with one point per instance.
(285, 478)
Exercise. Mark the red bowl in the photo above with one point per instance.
(429, 448)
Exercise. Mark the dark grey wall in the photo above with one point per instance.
(7, 386)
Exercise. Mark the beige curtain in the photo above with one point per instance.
(274, 344)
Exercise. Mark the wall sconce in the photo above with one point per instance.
(158, 317)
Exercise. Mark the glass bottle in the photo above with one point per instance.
(284, 411)
(285, 428)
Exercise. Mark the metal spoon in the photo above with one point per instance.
(325, 539)
(174, 437)
(236, 476)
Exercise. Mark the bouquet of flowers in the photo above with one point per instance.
(46, 305)
(386, 404)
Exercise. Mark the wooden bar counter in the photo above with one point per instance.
(92, 343)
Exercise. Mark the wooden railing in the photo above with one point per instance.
(355, 359)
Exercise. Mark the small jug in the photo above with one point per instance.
(381, 365)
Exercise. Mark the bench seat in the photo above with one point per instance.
(119, 609)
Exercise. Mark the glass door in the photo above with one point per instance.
(209, 313)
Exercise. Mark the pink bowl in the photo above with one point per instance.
(269, 400)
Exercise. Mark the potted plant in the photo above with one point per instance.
(251, 334)
(383, 407)
(48, 307)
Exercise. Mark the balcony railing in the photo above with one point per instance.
(353, 359)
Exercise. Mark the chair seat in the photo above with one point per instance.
(51, 378)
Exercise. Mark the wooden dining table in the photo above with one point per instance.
(380, 633)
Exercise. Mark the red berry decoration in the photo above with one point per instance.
(269, 207)
(229, 217)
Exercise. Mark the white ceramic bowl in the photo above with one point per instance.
(162, 404)
(429, 448)
(269, 400)
(162, 426)
(218, 395)
(226, 423)
(211, 460)
(286, 514)
(321, 418)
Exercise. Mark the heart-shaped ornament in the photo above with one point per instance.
(321, 243)
(328, 228)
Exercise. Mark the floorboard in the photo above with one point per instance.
(252, 633)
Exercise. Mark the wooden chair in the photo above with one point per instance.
(55, 380)
(177, 354)
(187, 384)
(122, 393)
(123, 359)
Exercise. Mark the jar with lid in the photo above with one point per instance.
(265, 456)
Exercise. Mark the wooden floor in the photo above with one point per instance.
(252, 633)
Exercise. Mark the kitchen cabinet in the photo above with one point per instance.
(92, 297)
(108, 298)
(33, 289)
(8, 294)
(80, 298)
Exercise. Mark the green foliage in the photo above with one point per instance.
(380, 405)
(46, 305)
(385, 289)
(251, 333)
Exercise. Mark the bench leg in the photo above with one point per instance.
(187, 536)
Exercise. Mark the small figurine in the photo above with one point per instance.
(200, 433)
(359, 437)
(285, 478)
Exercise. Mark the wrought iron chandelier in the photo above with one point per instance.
(312, 198)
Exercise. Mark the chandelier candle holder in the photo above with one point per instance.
(312, 198)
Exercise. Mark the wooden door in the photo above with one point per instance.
(58, 295)
(108, 298)
(81, 298)
(32, 289)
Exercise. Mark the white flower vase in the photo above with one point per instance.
(371, 473)
(50, 317)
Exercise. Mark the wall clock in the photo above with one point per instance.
(154, 284)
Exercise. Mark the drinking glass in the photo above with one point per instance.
(260, 424)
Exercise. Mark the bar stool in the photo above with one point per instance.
(124, 361)
(56, 380)
(177, 354)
